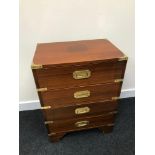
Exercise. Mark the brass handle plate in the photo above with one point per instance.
(82, 110)
(82, 74)
(81, 123)
(82, 94)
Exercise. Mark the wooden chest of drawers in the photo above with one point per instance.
(78, 84)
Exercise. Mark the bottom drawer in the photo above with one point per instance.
(81, 123)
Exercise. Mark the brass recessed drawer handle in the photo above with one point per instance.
(82, 110)
(81, 123)
(82, 94)
(81, 74)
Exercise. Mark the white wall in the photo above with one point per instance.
(65, 20)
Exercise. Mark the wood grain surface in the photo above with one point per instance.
(65, 97)
(70, 124)
(75, 51)
(62, 77)
(57, 136)
(68, 112)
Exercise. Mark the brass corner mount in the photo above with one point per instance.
(118, 80)
(45, 107)
(36, 66)
(123, 58)
(115, 98)
(41, 89)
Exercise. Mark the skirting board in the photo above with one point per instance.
(35, 104)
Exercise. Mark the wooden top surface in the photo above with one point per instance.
(75, 52)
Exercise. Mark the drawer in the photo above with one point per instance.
(78, 111)
(82, 75)
(81, 123)
(79, 95)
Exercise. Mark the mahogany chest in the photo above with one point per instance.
(78, 84)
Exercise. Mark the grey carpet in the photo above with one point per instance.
(34, 141)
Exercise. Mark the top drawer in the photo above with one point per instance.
(57, 77)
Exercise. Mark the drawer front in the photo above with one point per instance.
(79, 95)
(82, 123)
(79, 111)
(72, 76)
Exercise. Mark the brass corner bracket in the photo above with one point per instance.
(111, 124)
(36, 66)
(48, 122)
(115, 98)
(114, 112)
(50, 134)
(41, 89)
(118, 80)
(123, 58)
(46, 107)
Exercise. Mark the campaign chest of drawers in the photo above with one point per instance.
(78, 84)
